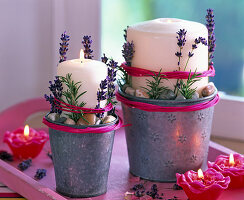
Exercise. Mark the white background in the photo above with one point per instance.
(29, 42)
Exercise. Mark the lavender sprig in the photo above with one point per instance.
(87, 47)
(111, 78)
(125, 33)
(63, 47)
(104, 59)
(211, 36)
(181, 41)
(40, 173)
(128, 52)
(101, 95)
(194, 46)
(56, 89)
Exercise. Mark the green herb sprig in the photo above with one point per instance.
(72, 95)
(185, 88)
(154, 89)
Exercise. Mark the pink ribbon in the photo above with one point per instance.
(155, 108)
(102, 129)
(75, 109)
(138, 72)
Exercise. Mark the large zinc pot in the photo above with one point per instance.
(161, 144)
(81, 160)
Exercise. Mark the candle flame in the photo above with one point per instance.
(200, 174)
(81, 55)
(26, 131)
(231, 159)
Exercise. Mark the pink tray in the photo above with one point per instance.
(120, 180)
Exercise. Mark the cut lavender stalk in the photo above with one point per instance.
(40, 173)
(181, 41)
(211, 35)
(128, 52)
(63, 47)
(125, 33)
(4, 155)
(111, 78)
(87, 47)
(25, 165)
(56, 89)
(101, 95)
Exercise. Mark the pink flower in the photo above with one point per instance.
(235, 171)
(208, 188)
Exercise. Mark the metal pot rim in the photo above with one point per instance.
(83, 126)
(162, 102)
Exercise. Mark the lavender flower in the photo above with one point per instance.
(87, 46)
(101, 95)
(128, 52)
(181, 41)
(56, 89)
(199, 40)
(211, 36)
(125, 33)
(104, 59)
(40, 173)
(111, 78)
(63, 47)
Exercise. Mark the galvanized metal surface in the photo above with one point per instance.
(81, 162)
(161, 144)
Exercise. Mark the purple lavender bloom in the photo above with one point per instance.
(125, 33)
(196, 42)
(190, 54)
(128, 52)
(178, 54)
(56, 89)
(181, 37)
(87, 47)
(63, 47)
(211, 35)
(104, 59)
(101, 95)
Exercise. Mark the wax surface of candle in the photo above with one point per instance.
(89, 73)
(156, 44)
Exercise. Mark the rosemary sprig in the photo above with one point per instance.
(185, 88)
(155, 90)
(72, 95)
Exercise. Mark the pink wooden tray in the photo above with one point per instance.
(120, 180)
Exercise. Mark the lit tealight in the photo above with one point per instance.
(81, 55)
(26, 131)
(200, 174)
(231, 159)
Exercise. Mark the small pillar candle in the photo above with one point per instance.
(89, 72)
(206, 185)
(232, 166)
(156, 44)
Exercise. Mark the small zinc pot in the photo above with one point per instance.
(81, 160)
(161, 144)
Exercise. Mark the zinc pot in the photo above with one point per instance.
(161, 144)
(81, 160)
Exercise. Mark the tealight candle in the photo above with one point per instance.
(203, 185)
(232, 166)
(26, 142)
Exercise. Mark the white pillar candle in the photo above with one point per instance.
(90, 73)
(156, 44)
